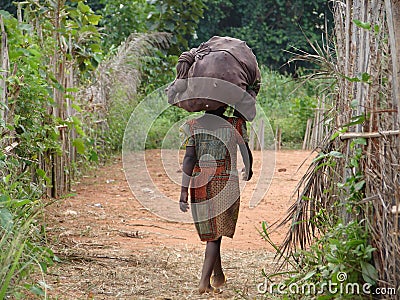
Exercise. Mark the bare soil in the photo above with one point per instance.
(111, 247)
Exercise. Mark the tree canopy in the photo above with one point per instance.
(269, 27)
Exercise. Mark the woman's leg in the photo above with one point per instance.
(212, 259)
(217, 270)
(218, 278)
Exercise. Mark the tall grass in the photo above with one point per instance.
(22, 243)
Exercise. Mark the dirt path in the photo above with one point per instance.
(113, 248)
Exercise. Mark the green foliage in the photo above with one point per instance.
(269, 27)
(118, 116)
(81, 27)
(95, 5)
(32, 125)
(21, 244)
(180, 18)
(344, 249)
(157, 71)
(140, 61)
(159, 129)
(336, 266)
(353, 187)
(9, 5)
(121, 18)
(286, 104)
(177, 17)
(363, 25)
(34, 134)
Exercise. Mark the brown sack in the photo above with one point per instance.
(210, 75)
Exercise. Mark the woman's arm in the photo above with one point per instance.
(189, 162)
(247, 159)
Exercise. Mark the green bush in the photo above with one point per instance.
(338, 264)
(168, 120)
(340, 254)
(31, 125)
(287, 104)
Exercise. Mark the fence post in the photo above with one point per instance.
(278, 138)
(252, 137)
(306, 141)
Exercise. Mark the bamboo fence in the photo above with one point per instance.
(367, 70)
(55, 164)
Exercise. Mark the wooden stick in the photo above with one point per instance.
(60, 127)
(252, 137)
(392, 13)
(306, 135)
(278, 138)
(4, 73)
(367, 135)
(149, 225)
(8, 149)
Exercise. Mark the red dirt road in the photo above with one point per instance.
(103, 234)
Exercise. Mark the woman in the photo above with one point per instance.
(210, 168)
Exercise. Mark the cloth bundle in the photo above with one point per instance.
(221, 71)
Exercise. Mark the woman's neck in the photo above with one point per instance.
(218, 112)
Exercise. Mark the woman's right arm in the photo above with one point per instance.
(189, 161)
(247, 159)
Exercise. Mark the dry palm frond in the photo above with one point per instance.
(113, 93)
(325, 70)
(306, 215)
(125, 63)
(122, 69)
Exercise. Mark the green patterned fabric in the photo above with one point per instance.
(214, 192)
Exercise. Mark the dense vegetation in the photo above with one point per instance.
(54, 50)
(39, 58)
(270, 27)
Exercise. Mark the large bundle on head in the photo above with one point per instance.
(221, 71)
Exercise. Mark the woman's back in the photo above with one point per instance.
(215, 140)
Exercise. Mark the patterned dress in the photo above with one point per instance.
(214, 187)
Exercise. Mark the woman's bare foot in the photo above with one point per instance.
(218, 280)
(208, 289)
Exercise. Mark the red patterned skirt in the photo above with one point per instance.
(215, 201)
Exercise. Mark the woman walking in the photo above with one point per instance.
(210, 169)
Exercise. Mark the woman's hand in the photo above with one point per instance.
(247, 171)
(183, 201)
(247, 175)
